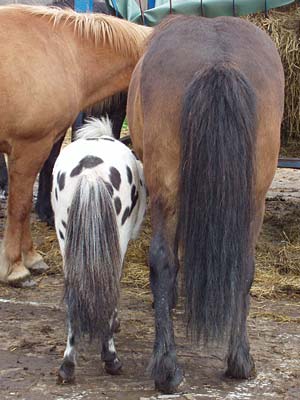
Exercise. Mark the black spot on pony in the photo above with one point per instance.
(86, 163)
(61, 178)
(115, 178)
(118, 205)
(129, 175)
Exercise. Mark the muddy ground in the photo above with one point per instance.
(32, 334)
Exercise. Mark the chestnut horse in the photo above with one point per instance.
(205, 105)
(114, 107)
(40, 97)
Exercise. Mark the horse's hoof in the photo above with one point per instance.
(27, 284)
(49, 220)
(39, 267)
(18, 275)
(66, 373)
(113, 367)
(246, 371)
(170, 385)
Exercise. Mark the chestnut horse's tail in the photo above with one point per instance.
(218, 136)
(92, 260)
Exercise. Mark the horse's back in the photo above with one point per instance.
(189, 44)
(184, 46)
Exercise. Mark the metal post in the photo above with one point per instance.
(233, 8)
(202, 9)
(142, 12)
(266, 8)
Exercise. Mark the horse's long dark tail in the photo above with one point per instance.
(218, 135)
(92, 260)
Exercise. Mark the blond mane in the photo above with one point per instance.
(122, 36)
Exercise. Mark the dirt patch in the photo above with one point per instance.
(32, 328)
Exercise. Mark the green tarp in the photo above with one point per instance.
(130, 10)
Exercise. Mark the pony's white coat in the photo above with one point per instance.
(114, 154)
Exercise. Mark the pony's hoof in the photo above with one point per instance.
(171, 384)
(113, 367)
(18, 275)
(39, 267)
(116, 325)
(66, 373)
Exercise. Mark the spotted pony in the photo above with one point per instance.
(99, 201)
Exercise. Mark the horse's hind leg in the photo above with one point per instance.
(240, 363)
(66, 372)
(31, 258)
(117, 114)
(43, 206)
(163, 271)
(3, 174)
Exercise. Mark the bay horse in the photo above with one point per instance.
(41, 97)
(204, 108)
(99, 202)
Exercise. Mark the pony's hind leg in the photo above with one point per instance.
(66, 372)
(163, 270)
(109, 356)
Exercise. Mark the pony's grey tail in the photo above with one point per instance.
(92, 260)
(218, 135)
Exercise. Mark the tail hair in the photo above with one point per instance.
(92, 259)
(218, 135)
(95, 128)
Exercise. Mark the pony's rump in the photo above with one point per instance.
(218, 135)
(92, 260)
